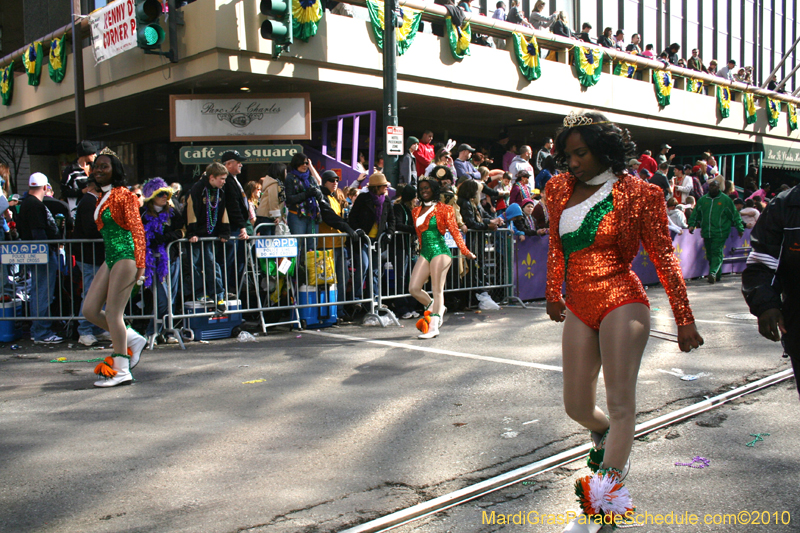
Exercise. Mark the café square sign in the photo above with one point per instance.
(264, 117)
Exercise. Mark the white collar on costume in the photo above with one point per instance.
(106, 188)
(601, 178)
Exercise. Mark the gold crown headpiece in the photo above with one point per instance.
(573, 120)
(108, 151)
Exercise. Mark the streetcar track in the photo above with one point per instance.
(477, 490)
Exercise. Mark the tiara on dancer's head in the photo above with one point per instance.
(108, 151)
(573, 119)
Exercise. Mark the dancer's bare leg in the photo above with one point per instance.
(114, 290)
(420, 274)
(580, 348)
(440, 265)
(623, 337)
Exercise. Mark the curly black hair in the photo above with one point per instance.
(434, 185)
(118, 178)
(610, 144)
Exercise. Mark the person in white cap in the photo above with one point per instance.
(36, 223)
(663, 157)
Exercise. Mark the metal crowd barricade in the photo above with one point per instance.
(490, 271)
(276, 278)
(45, 281)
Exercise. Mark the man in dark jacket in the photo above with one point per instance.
(239, 216)
(36, 223)
(373, 214)
(207, 216)
(74, 176)
(408, 163)
(770, 282)
(88, 256)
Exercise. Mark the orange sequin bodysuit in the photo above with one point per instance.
(597, 256)
(118, 219)
(445, 220)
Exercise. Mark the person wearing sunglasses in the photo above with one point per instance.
(163, 224)
(303, 195)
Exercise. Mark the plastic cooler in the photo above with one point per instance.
(213, 327)
(8, 332)
(317, 317)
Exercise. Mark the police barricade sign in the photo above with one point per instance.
(23, 254)
(449, 240)
(274, 248)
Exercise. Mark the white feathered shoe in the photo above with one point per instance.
(604, 500)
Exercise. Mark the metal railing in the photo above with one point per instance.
(46, 281)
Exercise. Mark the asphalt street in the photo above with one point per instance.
(317, 431)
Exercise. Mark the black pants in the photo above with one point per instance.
(791, 340)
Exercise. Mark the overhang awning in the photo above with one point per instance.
(782, 156)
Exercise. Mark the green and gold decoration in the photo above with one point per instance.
(791, 114)
(589, 64)
(623, 68)
(306, 15)
(32, 59)
(694, 86)
(527, 54)
(773, 112)
(749, 101)
(404, 35)
(459, 38)
(7, 83)
(58, 59)
(724, 101)
(663, 83)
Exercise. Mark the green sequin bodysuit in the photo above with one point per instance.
(433, 242)
(118, 241)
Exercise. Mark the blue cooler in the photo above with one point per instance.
(318, 317)
(207, 328)
(8, 332)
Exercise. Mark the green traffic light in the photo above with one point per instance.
(149, 33)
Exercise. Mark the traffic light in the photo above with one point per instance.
(280, 30)
(149, 33)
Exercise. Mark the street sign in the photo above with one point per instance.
(255, 154)
(394, 140)
(23, 254)
(270, 248)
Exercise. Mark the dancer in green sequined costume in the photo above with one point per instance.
(432, 219)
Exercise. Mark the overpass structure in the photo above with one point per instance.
(341, 68)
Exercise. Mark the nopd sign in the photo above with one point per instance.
(267, 153)
(23, 254)
(285, 247)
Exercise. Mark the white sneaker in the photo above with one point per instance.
(87, 340)
(414, 314)
(172, 339)
(136, 344)
(123, 376)
(408, 315)
(50, 339)
(103, 337)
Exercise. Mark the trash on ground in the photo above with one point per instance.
(697, 462)
(758, 437)
(486, 303)
(245, 336)
(253, 381)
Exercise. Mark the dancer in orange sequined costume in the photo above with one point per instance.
(117, 217)
(598, 217)
(432, 219)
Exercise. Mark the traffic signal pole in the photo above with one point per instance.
(389, 86)
(77, 55)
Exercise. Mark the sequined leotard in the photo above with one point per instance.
(431, 229)
(597, 247)
(117, 217)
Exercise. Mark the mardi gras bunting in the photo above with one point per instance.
(404, 35)
(623, 68)
(58, 59)
(724, 101)
(306, 15)
(662, 81)
(459, 38)
(589, 64)
(527, 54)
(773, 112)
(694, 86)
(749, 101)
(791, 115)
(32, 59)
(7, 83)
